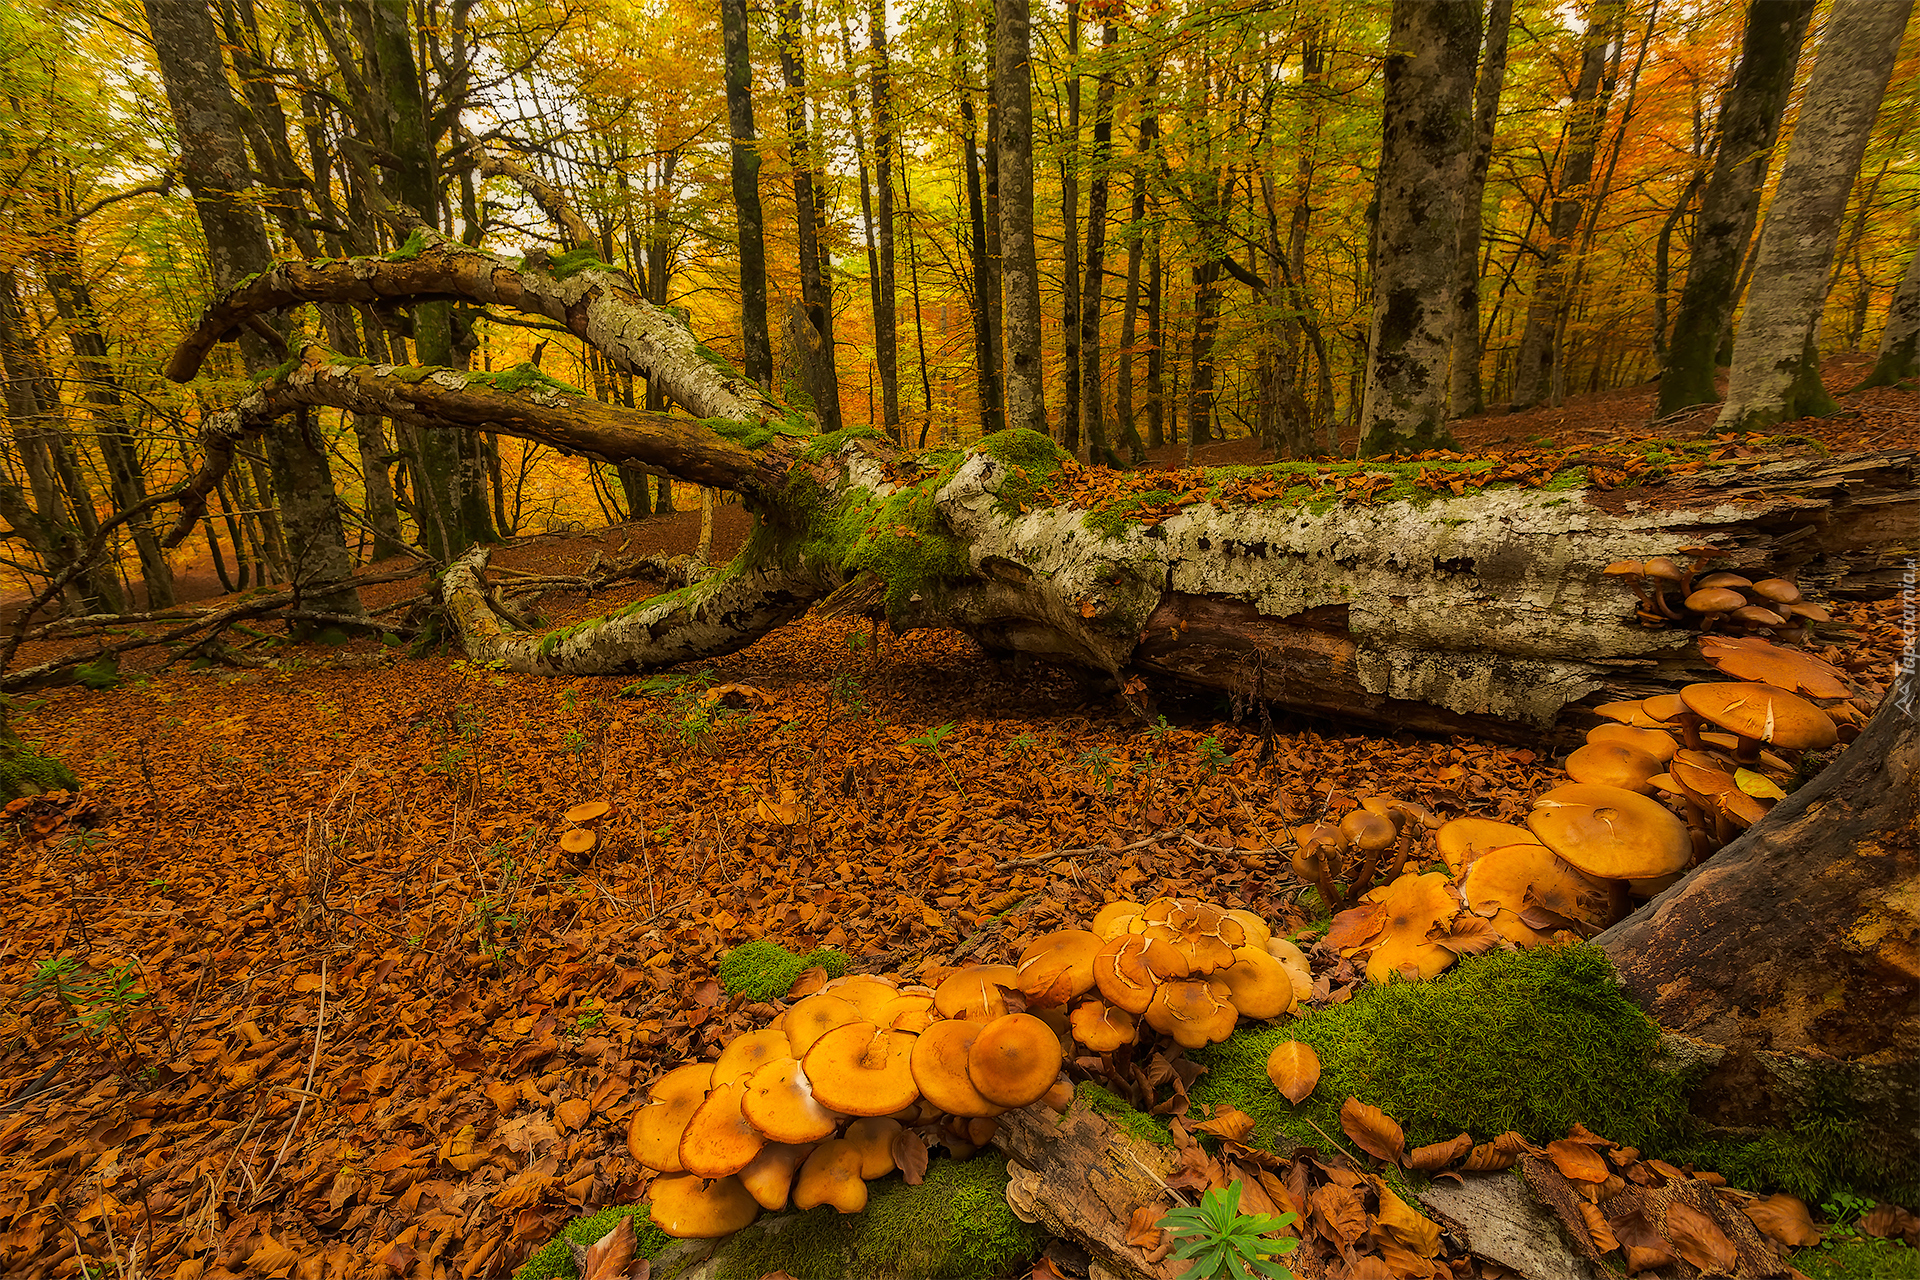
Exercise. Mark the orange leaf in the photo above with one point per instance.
(1338, 1215)
(1228, 1122)
(1357, 926)
(910, 1156)
(1372, 1130)
(1698, 1239)
(1143, 1228)
(1785, 1218)
(572, 1114)
(1439, 1155)
(1408, 1225)
(1294, 1069)
(611, 1256)
(1577, 1161)
(1597, 1228)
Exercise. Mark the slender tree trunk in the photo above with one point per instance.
(1070, 240)
(1899, 359)
(1013, 80)
(1539, 352)
(1101, 161)
(886, 327)
(1465, 396)
(1426, 138)
(1136, 254)
(1156, 338)
(986, 350)
(748, 217)
(1206, 324)
(1662, 257)
(1776, 357)
(1749, 126)
(913, 288)
(816, 291)
(866, 173)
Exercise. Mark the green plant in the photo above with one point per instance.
(1098, 765)
(97, 1002)
(1212, 758)
(930, 741)
(1218, 1242)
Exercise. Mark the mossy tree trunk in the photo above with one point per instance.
(1791, 958)
(24, 771)
(1485, 613)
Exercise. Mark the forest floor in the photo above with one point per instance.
(387, 1023)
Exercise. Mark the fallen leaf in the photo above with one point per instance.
(1438, 1155)
(1338, 1215)
(1597, 1228)
(609, 1257)
(1577, 1161)
(1412, 1228)
(1294, 1069)
(572, 1114)
(1785, 1218)
(1227, 1122)
(1372, 1130)
(1143, 1228)
(1698, 1238)
(910, 1156)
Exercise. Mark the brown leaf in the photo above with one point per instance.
(1372, 1130)
(809, 981)
(1294, 1069)
(1577, 1161)
(1439, 1155)
(1143, 1228)
(1785, 1218)
(1357, 926)
(1698, 1238)
(1488, 1158)
(1597, 1228)
(572, 1114)
(1227, 1122)
(1469, 935)
(910, 1157)
(1338, 1216)
(1412, 1228)
(610, 1257)
(1887, 1220)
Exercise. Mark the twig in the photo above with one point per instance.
(1043, 859)
(313, 1062)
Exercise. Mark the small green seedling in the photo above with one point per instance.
(1218, 1242)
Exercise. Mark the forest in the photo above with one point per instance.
(1083, 640)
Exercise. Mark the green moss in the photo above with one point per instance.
(414, 246)
(25, 772)
(763, 970)
(523, 377)
(1111, 519)
(555, 1260)
(553, 639)
(717, 361)
(1531, 1040)
(1858, 1258)
(900, 538)
(829, 443)
(755, 435)
(274, 374)
(1111, 1105)
(414, 373)
(571, 263)
(956, 1224)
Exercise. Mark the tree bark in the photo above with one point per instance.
(1899, 358)
(1136, 253)
(1093, 424)
(1426, 136)
(1788, 960)
(1539, 353)
(1465, 397)
(986, 351)
(1070, 242)
(1156, 335)
(1485, 613)
(816, 291)
(1749, 126)
(1776, 358)
(749, 221)
(1020, 264)
(886, 328)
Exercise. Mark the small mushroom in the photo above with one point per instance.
(1259, 984)
(813, 1017)
(1511, 885)
(1015, 1060)
(1730, 581)
(1112, 919)
(1464, 840)
(1750, 658)
(939, 1064)
(1369, 834)
(1192, 1012)
(1130, 967)
(1630, 713)
(779, 1102)
(873, 1138)
(718, 1139)
(1613, 764)
(1654, 742)
(747, 1052)
(768, 1178)
(1760, 713)
(860, 1070)
(1198, 930)
(1664, 574)
(1319, 857)
(866, 992)
(831, 1175)
(1712, 602)
(975, 992)
(689, 1207)
(1058, 967)
(1102, 1027)
(577, 841)
(1414, 904)
(1753, 615)
(1256, 929)
(1777, 591)
(1611, 833)
(588, 811)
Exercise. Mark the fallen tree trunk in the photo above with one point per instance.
(1483, 612)
(1788, 964)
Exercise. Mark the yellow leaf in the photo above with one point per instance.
(1294, 1069)
(1418, 1232)
(1758, 785)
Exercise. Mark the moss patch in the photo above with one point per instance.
(755, 435)
(556, 1260)
(412, 248)
(956, 1224)
(1530, 1040)
(900, 538)
(524, 377)
(1859, 1258)
(25, 772)
(763, 970)
(571, 263)
(1111, 1105)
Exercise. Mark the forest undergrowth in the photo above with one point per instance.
(316, 982)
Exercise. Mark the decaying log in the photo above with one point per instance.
(1082, 1177)
(1790, 960)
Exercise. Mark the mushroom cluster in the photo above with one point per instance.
(1721, 601)
(1369, 844)
(833, 1094)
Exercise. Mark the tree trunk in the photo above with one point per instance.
(1787, 960)
(1426, 138)
(1136, 253)
(816, 292)
(1070, 242)
(986, 350)
(1465, 396)
(1749, 126)
(1020, 265)
(1776, 357)
(748, 218)
(1092, 422)
(886, 335)
(1156, 335)
(1899, 359)
(1539, 353)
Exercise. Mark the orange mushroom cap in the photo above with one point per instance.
(939, 1064)
(692, 1208)
(1015, 1060)
(861, 1070)
(1610, 832)
(1056, 968)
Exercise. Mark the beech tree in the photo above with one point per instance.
(1899, 357)
(1026, 404)
(1776, 357)
(749, 220)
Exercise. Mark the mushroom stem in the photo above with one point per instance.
(1688, 722)
(1619, 904)
(1746, 750)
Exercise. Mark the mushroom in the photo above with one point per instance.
(718, 1139)
(1731, 581)
(1198, 930)
(1260, 985)
(746, 1052)
(1510, 883)
(577, 841)
(769, 1177)
(861, 1070)
(1777, 591)
(1753, 615)
(873, 1138)
(653, 1134)
(1761, 713)
(1414, 903)
(1103, 1028)
(1463, 840)
(1129, 968)
(1192, 1012)
(1614, 834)
(975, 992)
(1613, 764)
(831, 1175)
(1058, 967)
(1319, 855)
(692, 1208)
(1664, 707)
(588, 811)
(1633, 573)
(1711, 602)
(1630, 713)
(1750, 658)
(813, 1017)
(779, 1102)
(867, 993)
(1720, 789)
(1294, 961)
(1654, 742)
(939, 1064)
(1369, 834)
(1112, 919)
(1015, 1060)
(1663, 574)
(906, 1013)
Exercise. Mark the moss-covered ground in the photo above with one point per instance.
(554, 1259)
(24, 771)
(1858, 1258)
(764, 970)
